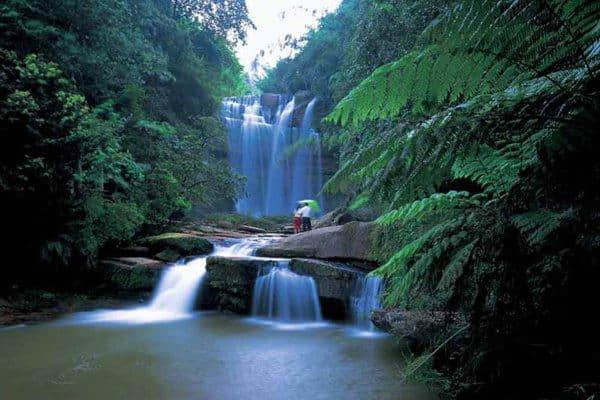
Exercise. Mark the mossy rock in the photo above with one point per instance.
(183, 244)
(168, 255)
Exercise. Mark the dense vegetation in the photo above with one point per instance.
(471, 128)
(108, 113)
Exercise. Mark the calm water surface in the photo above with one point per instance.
(210, 356)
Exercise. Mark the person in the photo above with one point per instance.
(305, 213)
(297, 219)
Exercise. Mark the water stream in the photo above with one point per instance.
(366, 297)
(282, 295)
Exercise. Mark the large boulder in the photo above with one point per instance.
(347, 243)
(229, 282)
(170, 245)
(131, 273)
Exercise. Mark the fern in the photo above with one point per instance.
(480, 47)
(418, 208)
(538, 225)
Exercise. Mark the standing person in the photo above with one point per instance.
(297, 219)
(306, 214)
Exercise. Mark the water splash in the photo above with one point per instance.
(284, 296)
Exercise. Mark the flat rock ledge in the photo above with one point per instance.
(131, 273)
(348, 243)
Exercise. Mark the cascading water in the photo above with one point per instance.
(259, 137)
(176, 292)
(365, 298)
(284, 296)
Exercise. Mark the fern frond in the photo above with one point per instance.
(481, 47)
(418, 208)
(538, 225)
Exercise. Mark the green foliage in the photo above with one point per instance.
(538, 226)
(478, 47)
(108, 114)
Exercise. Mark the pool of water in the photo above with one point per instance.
(209, 356)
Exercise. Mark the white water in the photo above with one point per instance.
(285, 296)
(176, 293)
(258, 140)
(366, 297)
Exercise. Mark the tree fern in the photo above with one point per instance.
(538, 225)
(480, 47)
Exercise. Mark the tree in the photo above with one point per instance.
(225, 18)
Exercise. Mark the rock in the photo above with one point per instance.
(269, 100)
(335, 282)
(251, 229)
(287, 229)
(349, 243)
(168, 255)
(184, 244)
(225, 225)
(131, 273)
(134, 251)
(229, 282)
(341, 216)
(418, 329)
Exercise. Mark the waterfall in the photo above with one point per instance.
(176, 292)
(285, 296)
(279, 156)
(365, 298)
(178, 287)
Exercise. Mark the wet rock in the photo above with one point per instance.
(184, 244)
(131, 273)
(418, 329)
(229, 283)
(335, 282)
(348, 243)
(168, 255)
(269, 100)
(252, 229)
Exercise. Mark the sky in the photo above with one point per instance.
(274, 19)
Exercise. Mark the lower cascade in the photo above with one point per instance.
(365, 298)
(175, 295)
(285, 296)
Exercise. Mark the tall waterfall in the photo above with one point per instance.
(285, 296)
(280, 157)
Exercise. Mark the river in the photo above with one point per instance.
(163, 351)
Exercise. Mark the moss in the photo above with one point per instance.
(182, 243)
(168, 255)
